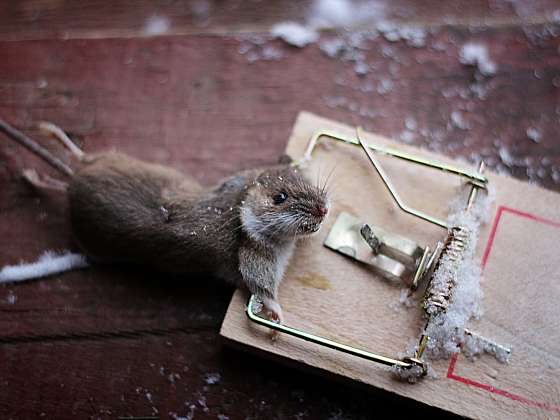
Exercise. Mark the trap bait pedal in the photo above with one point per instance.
(395, 257)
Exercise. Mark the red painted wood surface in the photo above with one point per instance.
(121, 341)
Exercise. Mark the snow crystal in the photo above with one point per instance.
(473, 54)
(294, 33)
(48, 264)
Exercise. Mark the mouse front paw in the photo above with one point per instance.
(273, 312)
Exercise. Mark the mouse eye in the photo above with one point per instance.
(280, 198)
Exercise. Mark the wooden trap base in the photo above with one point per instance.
(329, 295)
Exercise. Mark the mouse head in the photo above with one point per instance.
(281, 204)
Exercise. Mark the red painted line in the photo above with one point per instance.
(531, 216)
(497, 391)
(485, 256)
(493, 231)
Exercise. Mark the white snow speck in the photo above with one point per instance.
(506, 156)
(212, 378)
(361, 68)
(407, 136)
(48, 264)
(413, 36)
(534, 134)
(473, 54)
(156, 25)
(333, 47)
(11, 298)
(385, 86)
(410, 123)
(294, 33)
(458, 121)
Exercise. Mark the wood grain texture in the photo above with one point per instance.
(197, 104)
(51, 19)
(360, 309)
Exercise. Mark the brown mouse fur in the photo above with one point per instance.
(242, 230)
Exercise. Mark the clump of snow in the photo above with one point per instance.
(48, 264)
(349, 47)
(413, 36)
(534, 134)
(410, 123)
(406, 299)
(255, 48)
(385, 86)
(330, 14)
(473, 54)
(294, 33)
(156, 25)
(212, 378)
(361, 68)
(410, 375)
(333, 47)
(407, 136)
(506, 156)
(446, 329)
(475, 345)
(458, 121)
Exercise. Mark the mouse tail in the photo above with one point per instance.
(48, 264)
(35, 147)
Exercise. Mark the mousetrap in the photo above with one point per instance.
(388, 239)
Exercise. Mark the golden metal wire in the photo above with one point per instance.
(437, 298)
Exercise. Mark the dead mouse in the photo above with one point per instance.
(243, 230)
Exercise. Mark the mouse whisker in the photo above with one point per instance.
(326, 183)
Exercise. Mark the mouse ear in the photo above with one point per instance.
(285, 159)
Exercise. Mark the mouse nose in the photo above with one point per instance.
(320, 211)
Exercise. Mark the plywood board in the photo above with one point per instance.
(329, 295)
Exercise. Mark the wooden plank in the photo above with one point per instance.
(166, 375)
(49, 19)
(354, 306)
(195, 103)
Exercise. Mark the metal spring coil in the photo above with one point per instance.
(438, 293)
